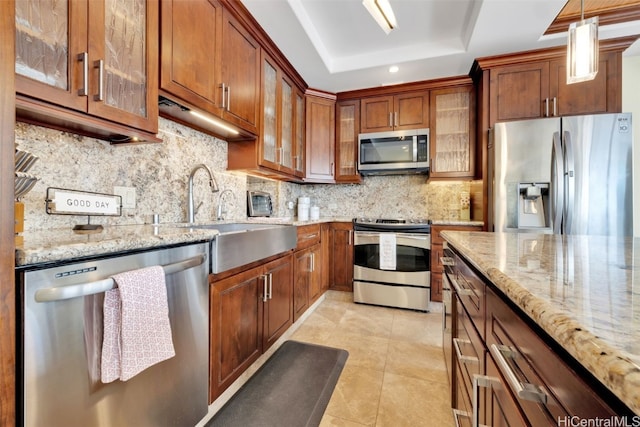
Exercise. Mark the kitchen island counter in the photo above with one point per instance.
(583, 291)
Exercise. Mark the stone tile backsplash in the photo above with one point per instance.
(159, 173)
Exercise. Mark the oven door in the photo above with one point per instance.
(413, 254)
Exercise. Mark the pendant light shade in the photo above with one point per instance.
(582, 50)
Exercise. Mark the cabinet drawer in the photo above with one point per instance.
(469, 287)
(550, 388)
(468, 349)
(308, 235)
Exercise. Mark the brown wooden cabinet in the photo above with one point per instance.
(341, 256)
(452, 133)
(249, 311)
(347, 130)
(508, 372)
(408, 110)
(320, 137)
(538, 89)
(74, 80)
(308, 263)
(437, 253)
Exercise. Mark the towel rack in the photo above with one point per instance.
(58, 293)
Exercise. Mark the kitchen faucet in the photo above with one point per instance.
(221, 203)
(191, 212)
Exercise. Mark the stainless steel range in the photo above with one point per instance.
(392, 262)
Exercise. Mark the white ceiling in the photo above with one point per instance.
(336, 45)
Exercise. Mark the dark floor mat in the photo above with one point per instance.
(291, 389)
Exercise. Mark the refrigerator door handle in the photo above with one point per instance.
(557, 183)
(569, 180)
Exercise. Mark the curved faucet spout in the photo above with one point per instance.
(191, 212)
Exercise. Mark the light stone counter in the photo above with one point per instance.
(54, 245)
(584, 291)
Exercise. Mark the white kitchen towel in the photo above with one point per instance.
(387, 244)
(137, 331)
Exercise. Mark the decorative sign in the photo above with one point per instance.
(71, 202)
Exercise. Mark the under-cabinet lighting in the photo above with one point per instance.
(214, 122)
(382, 13)
(582, 49)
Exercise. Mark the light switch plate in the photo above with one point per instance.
(128, 195)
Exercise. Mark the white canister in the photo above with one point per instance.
(303, 212)
(314, 213)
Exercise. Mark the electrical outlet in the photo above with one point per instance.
(128, 195)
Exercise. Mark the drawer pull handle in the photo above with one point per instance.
(479, 381)
(462, 358)
(525, 391)
(447, 260)
(457, 413)
(459, 289)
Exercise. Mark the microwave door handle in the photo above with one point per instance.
(415, 148)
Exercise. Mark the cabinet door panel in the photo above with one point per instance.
(236, 327)
(519, 92)
(320, 141)
(50, 36)
(191, 51)
(240, 74)
(278, 308)
(299, 129)
(347, 129)
(124, 62)
(411, 111)
(596, 96)
(341, 278)
(377, 114)
(301, 283)
(286, 125)
(269, 134)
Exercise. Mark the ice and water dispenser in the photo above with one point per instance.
(533, 205)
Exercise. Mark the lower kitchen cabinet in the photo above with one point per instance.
(248, 312)
(436, 255)
(341, 256)
(507, 372)
(307, 282)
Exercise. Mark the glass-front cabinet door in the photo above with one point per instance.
(286, 126)
(269, 134)
(452, 133)
(93, 56)
(298, 155)
(347, 129)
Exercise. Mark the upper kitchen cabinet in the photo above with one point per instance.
(320, 136)
(278, 151)
(210, 63)
(347, 130)
(532, 84)
(395, 112)
(452, 133)
(89, 67)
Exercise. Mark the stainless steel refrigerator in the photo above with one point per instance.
(569, 175)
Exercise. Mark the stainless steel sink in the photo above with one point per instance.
(241, 243)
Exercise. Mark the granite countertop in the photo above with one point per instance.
(584, 291)
(45, 246)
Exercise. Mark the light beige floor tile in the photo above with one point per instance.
(311, 334)
(356, 395)
(329, 421)
(365, 351)
(416, 360)
(411, 402)
(417, 327)
(368, 320)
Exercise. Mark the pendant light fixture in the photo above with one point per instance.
(382, 13)
(582, 49)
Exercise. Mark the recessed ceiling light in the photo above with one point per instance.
(393, 69)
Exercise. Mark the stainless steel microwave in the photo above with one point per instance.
(259, 203)
(394, 153)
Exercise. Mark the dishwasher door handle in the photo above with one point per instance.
(58, 293)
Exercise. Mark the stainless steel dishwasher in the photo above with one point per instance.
(61, 339)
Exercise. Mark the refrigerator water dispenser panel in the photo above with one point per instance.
(532, 206)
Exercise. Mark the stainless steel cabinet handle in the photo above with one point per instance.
(555, 106)
(395, 119)
(479, 381)
(457, 413)
(350, 237)
(100, 66)
(228, 98)
(270, 285)
(265, 284)
(546, 107)
(390, 119)
(313, 262)
(447, 260)
(223, 92)
(84, 58)
(459, 289)
(525, 391)
(462, 358)
(58, 293)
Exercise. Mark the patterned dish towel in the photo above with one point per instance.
(137, 331)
